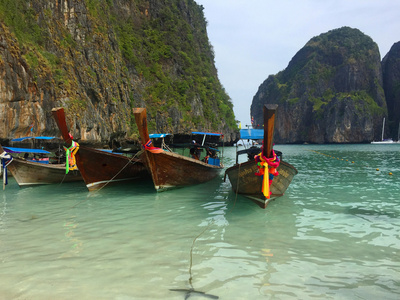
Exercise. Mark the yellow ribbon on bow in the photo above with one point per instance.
(267, 166)
(263, 171)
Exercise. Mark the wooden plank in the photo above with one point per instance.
(141, 122)
(269, 127)
(59, 116)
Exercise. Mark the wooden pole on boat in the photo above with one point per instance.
(59, 116)
(141, 122)
(269, 126)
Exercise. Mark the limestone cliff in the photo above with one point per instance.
(391, 83)
(99, 59)
(331, 91)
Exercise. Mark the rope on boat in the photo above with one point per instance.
(129, 161)
(93, 193)
(65, 175)
(237, 188)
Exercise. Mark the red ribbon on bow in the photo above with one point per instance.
(148, 146)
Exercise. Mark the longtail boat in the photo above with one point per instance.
(99, 168)
(253, 178)
(28, 172)
(169, 169)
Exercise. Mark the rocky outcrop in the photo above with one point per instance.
(99, 59)
(391, 84)
(331, 91)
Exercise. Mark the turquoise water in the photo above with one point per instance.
(334, 235)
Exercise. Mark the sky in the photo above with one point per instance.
(253, 39)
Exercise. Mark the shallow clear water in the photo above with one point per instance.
(334, 235)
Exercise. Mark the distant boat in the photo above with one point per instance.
(98, 167)
(242, 175)
(384, 141)
(169, 169)
(28, 172)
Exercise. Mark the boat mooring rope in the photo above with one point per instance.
(119, 172)
(95, 192)
(190, 291)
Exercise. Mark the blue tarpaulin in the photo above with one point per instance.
(158, 135)
(206, 133)
(25, 150)
(214, 161)
(33, 137)
(252, 134)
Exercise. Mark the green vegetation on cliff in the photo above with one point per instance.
(136, 52)
(327, 67)
(152, 46)
(331, 91)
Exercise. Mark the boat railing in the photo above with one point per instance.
(211, 151)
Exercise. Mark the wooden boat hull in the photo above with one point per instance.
(28, 173)
(99, 168)
(171, 170)
(245, 182)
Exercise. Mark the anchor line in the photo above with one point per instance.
(192, 247)
(92, 194)
(133, 157)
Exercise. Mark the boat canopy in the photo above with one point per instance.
(34, 137)
(206, 133)
(252, 134)
(25, 150)
(158, 135)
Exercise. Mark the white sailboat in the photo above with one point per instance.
(383, 141)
